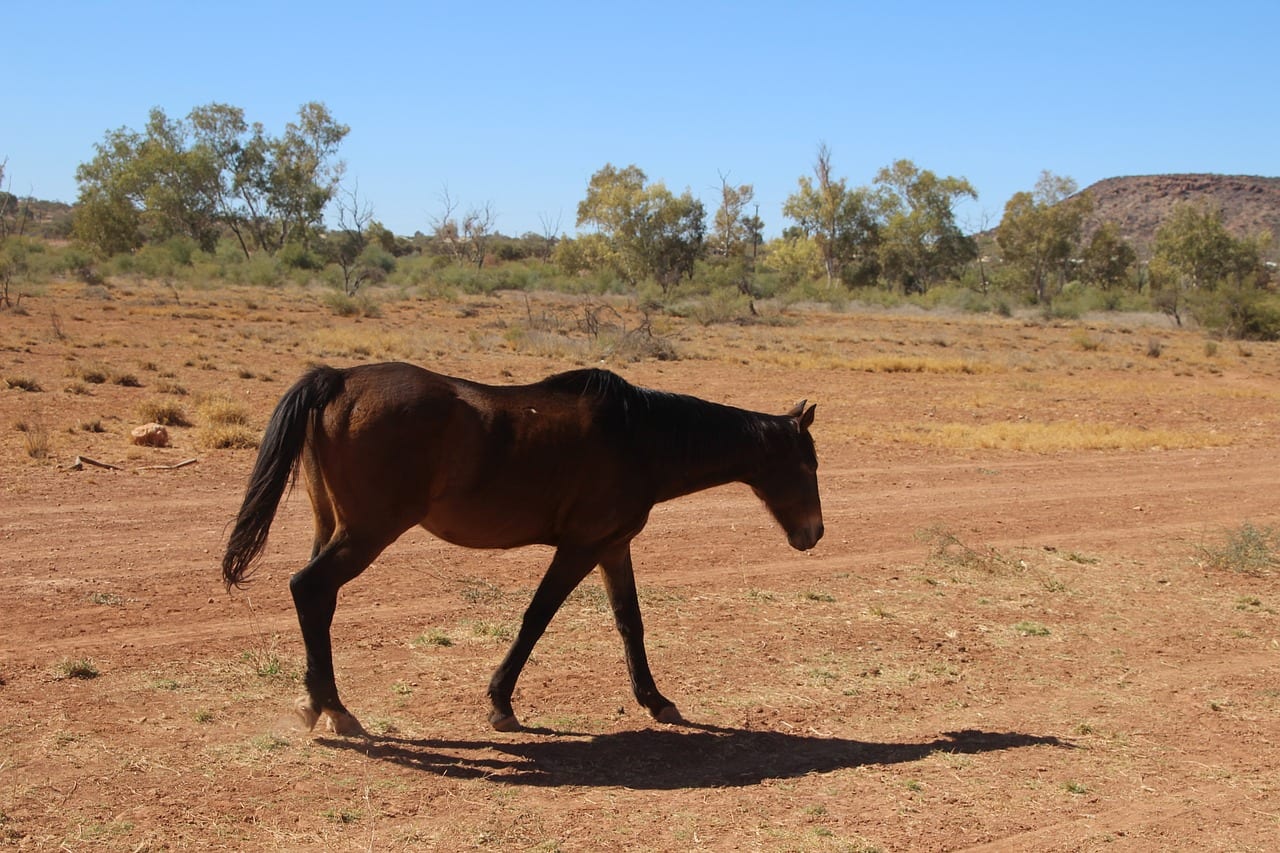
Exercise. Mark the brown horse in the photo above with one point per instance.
(576, 461)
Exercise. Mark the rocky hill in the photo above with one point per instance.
(1140, 204)
(46, 219)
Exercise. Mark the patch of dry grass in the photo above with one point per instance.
(224, 425)
(363, 341)
(35, 437)
(22, 383)
(917, 364)
(1035, 437)
(164, 412)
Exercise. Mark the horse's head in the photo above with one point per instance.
(788, 479)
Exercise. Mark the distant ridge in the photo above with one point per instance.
(1139, 204)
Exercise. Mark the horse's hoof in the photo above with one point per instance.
(306, 715)
(669, 715)
(344, 724)
(504, 722)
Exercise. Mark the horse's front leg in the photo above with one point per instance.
(620, 584)
(566, 571)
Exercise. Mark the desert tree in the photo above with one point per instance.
(1109, 257)
(477, 230)
(736, 235)
(1197, 264)
(549, 232)
(842, 222)
(1193, 243)
(464, 238)
(347, 242)
(209, 171)
(15, 213)
(920, 242)
(1040, 232)
(642, 230)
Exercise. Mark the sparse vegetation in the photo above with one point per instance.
(23, 383)
(227, 437)
(223, 425)
(35, 437)
(81, 668)
(164, 412)
(1248, 549)
(807, 676)
(434, 637)
(265, 662)
(946, 547)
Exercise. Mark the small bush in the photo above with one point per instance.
(83, 668)
(223, 411)
(22, 383)
(225, 425)
(1247, 550)
(360, 305)
(35, 438)
(94, 374)
(228, 437)
(164, 412)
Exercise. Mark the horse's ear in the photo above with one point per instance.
(797, 410)
(806, 419)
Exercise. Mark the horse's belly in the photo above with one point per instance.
(480, 529)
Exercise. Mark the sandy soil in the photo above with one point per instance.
(1013, 637)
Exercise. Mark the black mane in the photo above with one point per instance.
(685, 419)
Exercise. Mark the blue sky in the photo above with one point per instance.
(517, 104)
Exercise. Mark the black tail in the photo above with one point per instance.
(277, 462)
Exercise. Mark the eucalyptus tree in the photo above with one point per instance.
(1040, 231)
(920, 242)
(642, 230)
(208, 172)
(842, 222)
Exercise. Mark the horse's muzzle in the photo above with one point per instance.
(806, 537)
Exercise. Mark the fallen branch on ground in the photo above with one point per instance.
(82, 461)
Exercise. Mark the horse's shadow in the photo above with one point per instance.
(692, 756)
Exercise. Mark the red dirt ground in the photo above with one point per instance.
(1013, 637)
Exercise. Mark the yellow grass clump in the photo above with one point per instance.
(224, 425)
(917, 364)
(1033, 437)
(163, 412)
(358, 342)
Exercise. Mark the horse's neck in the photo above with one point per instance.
(707, 445)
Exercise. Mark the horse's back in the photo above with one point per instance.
(478, 465)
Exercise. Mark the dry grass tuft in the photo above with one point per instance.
(1033, 437)
(1247, 550)
(22, 383)
(164, 412)
(225, 425)
(35, 437)
(223, 411)
(359, 342)
(228, 437)
(914, 364)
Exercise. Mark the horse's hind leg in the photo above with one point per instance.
(315, 596)
(620, 584)
(566, 571)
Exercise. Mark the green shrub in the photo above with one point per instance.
(1247, 550)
